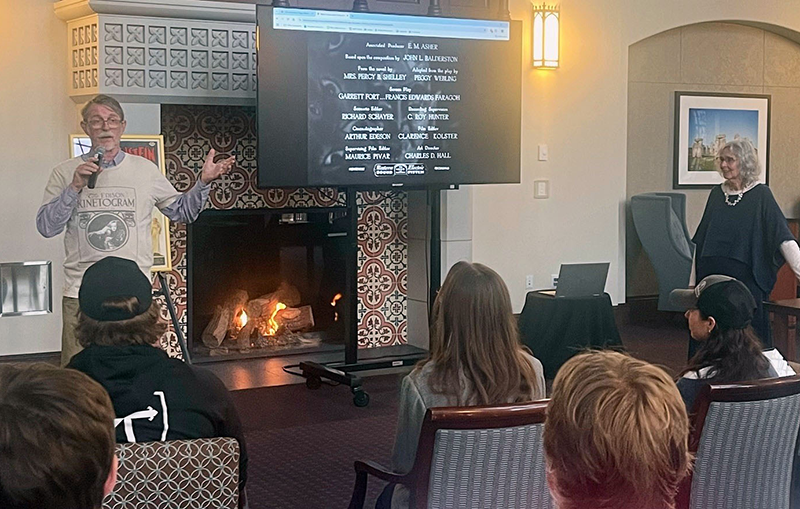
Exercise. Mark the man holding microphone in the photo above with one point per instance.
(105, 200)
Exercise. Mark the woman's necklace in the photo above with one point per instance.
(738, 195)
(738, 198)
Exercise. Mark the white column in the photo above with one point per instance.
(418, 268)
(456, 227)
(142, 118)
(456, 245)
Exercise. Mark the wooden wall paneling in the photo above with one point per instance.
(786, 284)
(786, 288)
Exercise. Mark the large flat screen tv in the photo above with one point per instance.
(364, 99)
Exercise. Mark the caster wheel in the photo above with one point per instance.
(360, 398)
(313, 382)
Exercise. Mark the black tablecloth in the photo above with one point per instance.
(555, 329)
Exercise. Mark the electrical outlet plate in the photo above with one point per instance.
(543, 152)
(554, 280)
(541, 189)
(529, 282)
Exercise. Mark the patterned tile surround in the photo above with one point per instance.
(190, 131)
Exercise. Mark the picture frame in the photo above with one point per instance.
(150, 147)
(706, 121)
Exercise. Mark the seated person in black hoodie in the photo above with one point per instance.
(155, 397)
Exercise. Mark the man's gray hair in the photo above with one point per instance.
(103, 100)
(746, 153)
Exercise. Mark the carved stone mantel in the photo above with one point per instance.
(69, 10)
(181, 51)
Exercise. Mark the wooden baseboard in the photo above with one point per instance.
(642, 309)
(47, 357)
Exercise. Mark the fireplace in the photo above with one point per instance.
(266, 282)
(378, 261)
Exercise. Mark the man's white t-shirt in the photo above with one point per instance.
(113, 219)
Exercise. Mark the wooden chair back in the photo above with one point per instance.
(475, 457)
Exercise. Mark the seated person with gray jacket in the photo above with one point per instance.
(475, 358)
(720, 310)
(155, 397)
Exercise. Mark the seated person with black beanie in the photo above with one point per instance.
(720, 311)
(155, 397)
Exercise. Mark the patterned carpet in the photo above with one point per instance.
(302, 443)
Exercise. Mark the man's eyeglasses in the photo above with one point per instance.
(97, 122)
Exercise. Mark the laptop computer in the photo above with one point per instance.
(580, 280)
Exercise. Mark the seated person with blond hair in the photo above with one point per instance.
(155, 397)
(616, 434)
(56, 439)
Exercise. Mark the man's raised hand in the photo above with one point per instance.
(213, 170)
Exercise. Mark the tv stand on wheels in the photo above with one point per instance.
(401, 356)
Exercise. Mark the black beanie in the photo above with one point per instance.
(109, 278)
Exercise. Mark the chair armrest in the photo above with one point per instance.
(365, 468)
(379, 471)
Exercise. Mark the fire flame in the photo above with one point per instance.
(273, 326)
(242, 319)
(333, 303)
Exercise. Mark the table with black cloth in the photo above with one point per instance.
(556, 328)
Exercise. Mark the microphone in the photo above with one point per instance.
(98, 153)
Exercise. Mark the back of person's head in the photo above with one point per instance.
(720, 310)
(117, 306)
(56, 439)
(616, 434)
(474, 333)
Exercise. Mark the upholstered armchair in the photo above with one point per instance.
(473, 458)
(660, 221)
(181, 474)
(744, 437)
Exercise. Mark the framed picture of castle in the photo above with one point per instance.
(150, 147)
(705, 122)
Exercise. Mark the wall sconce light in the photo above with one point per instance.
(546, 26)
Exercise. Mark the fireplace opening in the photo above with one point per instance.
(266, 282)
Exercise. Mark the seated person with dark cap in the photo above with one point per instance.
(719, 311)
(56, 439)
(155, 397)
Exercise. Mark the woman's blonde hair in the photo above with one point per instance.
(616, 434)
(474, 337)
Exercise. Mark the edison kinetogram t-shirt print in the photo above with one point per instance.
(107, 219)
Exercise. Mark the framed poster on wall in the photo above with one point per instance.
(150, 147)
(704, 122)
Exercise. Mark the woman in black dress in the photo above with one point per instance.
(743, 233)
